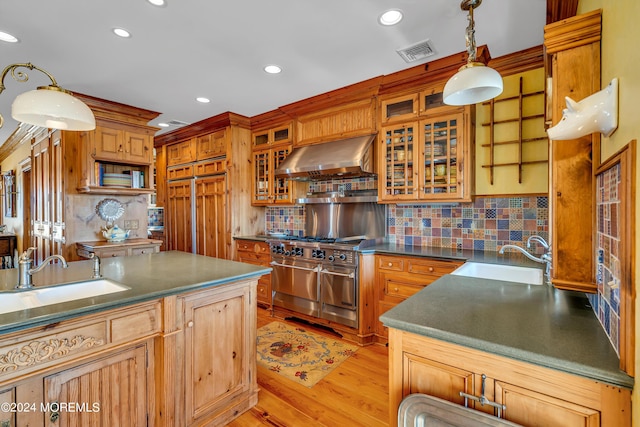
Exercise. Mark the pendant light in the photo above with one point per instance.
(48, 106)
(474, 82)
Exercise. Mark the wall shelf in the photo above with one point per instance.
(520, 119)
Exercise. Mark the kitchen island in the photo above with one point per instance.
(176, 348)
(542, 352)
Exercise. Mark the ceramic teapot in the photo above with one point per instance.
(115, 234)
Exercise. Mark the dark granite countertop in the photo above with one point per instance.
(535, 324)
(149, 277)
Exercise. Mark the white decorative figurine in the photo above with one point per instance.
(596, 113)
(115, 234)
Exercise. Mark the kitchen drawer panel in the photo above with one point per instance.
(390, 263)
(106, 253)
(40, 350)
(180, 172)
(145, 250)
(211, 167)
(395, 288)
(143, 322)
(438, 268)
(249, 257)
(264, 292)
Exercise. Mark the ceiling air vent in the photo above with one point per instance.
(177, 123)
(418, 51)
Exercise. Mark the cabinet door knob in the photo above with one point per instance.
(390, 264)
(395, 289)
(431, 269)
(190, 324)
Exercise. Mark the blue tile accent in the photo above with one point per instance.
(426, 222)
(515, 235)
(478, 244)
(503, 224)
(530, 213)
(466, 223)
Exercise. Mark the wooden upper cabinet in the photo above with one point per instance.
(573, 46)
(428, 159)
(273, 136)
(181, 152)
(118, 145)
(344, 121)
(211, 145)
(426, 102)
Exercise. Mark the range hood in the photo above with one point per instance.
(342, 158)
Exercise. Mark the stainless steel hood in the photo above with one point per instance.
(342, 158)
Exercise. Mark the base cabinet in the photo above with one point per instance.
(531, 395)
(108, 391)
(183, 360)
(218, 368)
(257, 253)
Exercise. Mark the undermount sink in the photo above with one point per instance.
(507, 273)
(38, 297)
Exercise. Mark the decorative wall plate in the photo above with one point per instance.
(109, 209)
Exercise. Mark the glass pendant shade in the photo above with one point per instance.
(50, 107)
(473, 83)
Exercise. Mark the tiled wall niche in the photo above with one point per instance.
(606, 303)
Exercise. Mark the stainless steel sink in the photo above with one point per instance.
(507, 273)
(38, 297)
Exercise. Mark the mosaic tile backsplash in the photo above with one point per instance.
(486, 224)
(606, 303)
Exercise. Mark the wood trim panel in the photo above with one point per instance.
(116, 111)
(573, 32)
(202, 127)
(561, 9)
(519, 62)
(625, 157)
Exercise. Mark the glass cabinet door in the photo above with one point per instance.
(440, 156)
(399, 152)
(261, 176)
(280, 188)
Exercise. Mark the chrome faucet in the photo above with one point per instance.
(96, 266)
(25, 271)
(545, 258)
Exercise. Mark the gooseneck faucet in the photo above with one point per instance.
(545, 258)
(25, 271)
(97, 273)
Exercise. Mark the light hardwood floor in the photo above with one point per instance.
(356, 393)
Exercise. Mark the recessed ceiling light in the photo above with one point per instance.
(121, 32)
(273, 69)
(158, 2)
(390, 17)
(6, 37)
(163, 125)
(203, 99)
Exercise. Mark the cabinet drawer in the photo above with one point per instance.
(144, 250)
(264, 292)
(399, 289)
(390, 263)
(211, 167)
(111, 253)
(437, 268)
(129, 326)
(180, 172)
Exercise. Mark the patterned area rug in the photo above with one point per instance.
(298, 354)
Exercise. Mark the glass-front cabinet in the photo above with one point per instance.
(268, 189)
(424, 160)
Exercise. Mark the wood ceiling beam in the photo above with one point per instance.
(558, 10)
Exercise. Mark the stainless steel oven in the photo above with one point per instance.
(339, 294)
(295, 284)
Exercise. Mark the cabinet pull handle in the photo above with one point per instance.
(390, 264)
(55, 414)
(395, 289)
(482, 399)
(430, 269)
(190, 324)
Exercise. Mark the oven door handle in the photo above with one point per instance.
(316, 269)
(350, 275)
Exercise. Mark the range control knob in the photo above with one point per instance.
(287, 253)
(343, 257)
(331, 258)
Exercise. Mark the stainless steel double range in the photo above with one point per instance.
(317, 275)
